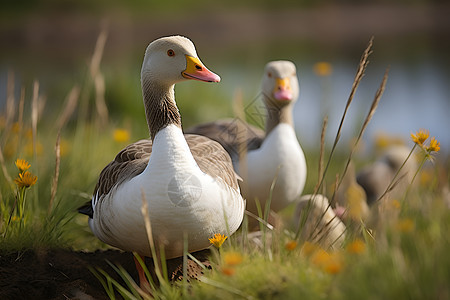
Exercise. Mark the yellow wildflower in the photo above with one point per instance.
(121, 135)
(25, 180)
(22, 165)
(232, 258)
(309, 248)
(356, 247)
(420, 137)
(329, 262)
(396, 204)
(434, 145)
(291, 245)
(218, 240)
(405, 225)
(228, 271)
(323, 68)
(320, 257)
(334, 266)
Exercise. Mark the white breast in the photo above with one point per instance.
(280, 158)
(181, 198)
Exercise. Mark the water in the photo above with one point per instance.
(413, 99)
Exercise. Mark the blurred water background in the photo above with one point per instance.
(52, 41)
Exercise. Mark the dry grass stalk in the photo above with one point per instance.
(10, 100)
(21, 107)
(368, 118)
(99, 81)
(35, 113)
(4, 169)
(148, 228)
(241, 135)
(69, 108)
(10, 107)
(71, 103)
(358, 77)
(322, 150)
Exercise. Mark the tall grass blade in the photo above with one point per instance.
(358, 77)
(70, 106)
(322, 150)
(368, 118)
(106, 285)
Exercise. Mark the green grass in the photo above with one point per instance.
(405, 257)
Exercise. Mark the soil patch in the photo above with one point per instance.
(64, 274)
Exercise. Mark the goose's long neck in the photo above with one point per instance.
(277, 115)
(160, 107)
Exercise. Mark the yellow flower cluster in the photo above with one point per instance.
(25, 179)
(231, 260)
(421, 136)
(22, 165)
(218, 240)
(330, 262)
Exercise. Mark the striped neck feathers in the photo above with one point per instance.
(277, 113)
(160, 107)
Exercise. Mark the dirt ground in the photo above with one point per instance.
(64, 274)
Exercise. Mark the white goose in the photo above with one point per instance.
(275, 155)
(188, 181)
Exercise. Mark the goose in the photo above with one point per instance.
(318, 222)
(375, 178)
(272, 156)
(188, 181)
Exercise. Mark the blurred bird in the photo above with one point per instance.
(318, 223)
(271, 164)
(376, 178)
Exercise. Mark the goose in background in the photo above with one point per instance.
(376, 178)
(274, 156)
(188, 181)
(318, 223)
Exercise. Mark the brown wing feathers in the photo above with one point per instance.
(132, 160)
(230, 133)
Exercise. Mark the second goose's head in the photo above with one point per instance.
(172, 59)
(280, 84)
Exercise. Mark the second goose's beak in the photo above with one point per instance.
(282, 90)
(197, 71)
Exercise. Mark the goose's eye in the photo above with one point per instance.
(269, 74)
(170, 52)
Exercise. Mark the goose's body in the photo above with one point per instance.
(318, 222)
(187, 181)
(274, 156)
(376, 177)
(280, 159)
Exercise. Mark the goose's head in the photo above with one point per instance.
(280, 84)
(172, 59)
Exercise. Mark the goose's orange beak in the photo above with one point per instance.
(197, 71)
(282, 90)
